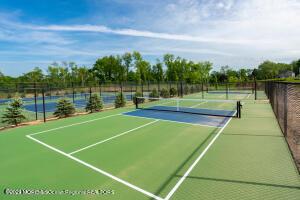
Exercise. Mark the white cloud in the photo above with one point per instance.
(233, 32)
(141, 33)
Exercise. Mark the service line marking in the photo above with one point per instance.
(113, 137)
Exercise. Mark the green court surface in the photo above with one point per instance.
(144, 158)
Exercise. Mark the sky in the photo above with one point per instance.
(238, 33)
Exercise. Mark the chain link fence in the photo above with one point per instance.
(285, 100)
(40, 99)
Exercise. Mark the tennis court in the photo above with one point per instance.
(165, 149)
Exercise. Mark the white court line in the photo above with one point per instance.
(198, 104)
(97, 169)
(113, 137)
(171, 121)
(195, 163)
(61, 127)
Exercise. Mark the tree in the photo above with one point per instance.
(157, 71)
(36, 75)
(52, 74)
(94, 103)
(127, 60)
(171, 73)
(83, 74)
(142, 67)
(204, 70)
(269, 70)
(296, 67)
(13, 113)
(120, 100)
(109, 68)
(64, 108)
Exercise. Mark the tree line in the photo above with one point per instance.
(132, 67)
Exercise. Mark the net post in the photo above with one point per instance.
(136, 102)
(238, 114)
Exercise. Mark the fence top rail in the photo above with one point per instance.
(285, 82)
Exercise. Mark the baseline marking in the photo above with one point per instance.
(97, 169)
(195, 163)
(113, 137)
(61, 127)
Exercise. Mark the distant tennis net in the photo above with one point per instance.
(222, 108)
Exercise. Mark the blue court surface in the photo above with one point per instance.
(180, 117)
(78, 103)
(202, 111)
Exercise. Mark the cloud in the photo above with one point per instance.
(227, 32)
(141, 33)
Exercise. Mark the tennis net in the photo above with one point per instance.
(222, 108)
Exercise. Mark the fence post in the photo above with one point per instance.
(100, 88)
(44, 106)
(285, 107)
(227, 90)
(131, 91)
(202, 89)
(35, 101)
(73, 92)
(158, 87)
(142, 89)
(255, 89)
(181, 89)
(90, 91)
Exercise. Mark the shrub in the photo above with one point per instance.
(173, 92)
(153, 93)
(164, 93)
(13, 113)
(186, 89)
(9, 96)
(64, 108)
(137, 94)
(94, 103)
(120, 100)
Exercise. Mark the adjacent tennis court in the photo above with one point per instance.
(160, 149)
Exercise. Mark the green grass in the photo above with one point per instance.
(249, 160)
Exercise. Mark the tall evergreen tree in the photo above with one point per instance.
(13, 113)
(64, 108)
(94, 104)
(120, 100)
